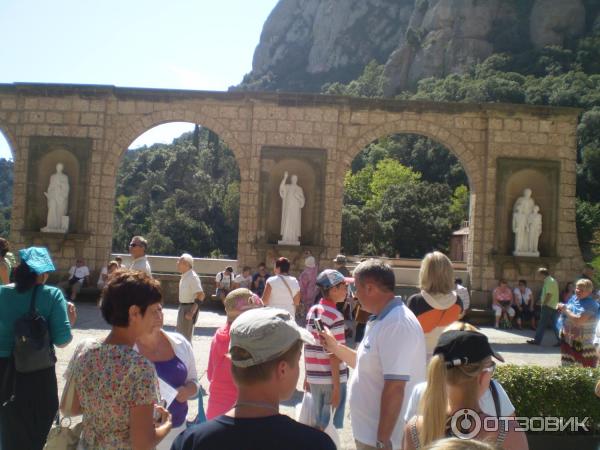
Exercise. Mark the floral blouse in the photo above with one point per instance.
(110, 380)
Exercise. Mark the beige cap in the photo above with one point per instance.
(265, 333)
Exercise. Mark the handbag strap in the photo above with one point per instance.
(495, 397)
(286, 285)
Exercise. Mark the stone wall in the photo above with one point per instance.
(478, 134)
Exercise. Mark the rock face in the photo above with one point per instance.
(305, 43)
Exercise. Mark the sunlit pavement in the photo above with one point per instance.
(510, 343)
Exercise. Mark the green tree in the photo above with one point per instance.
(389, 172)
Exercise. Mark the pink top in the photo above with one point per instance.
(308, 285)
(222, 392)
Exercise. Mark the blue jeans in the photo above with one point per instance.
(321, 394)
(547, 316)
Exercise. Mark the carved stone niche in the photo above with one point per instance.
(309, 165)
(44, 153)
(513, 175)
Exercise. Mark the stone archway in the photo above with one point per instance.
(99, 122)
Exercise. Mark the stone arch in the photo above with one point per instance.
(449, 139)
(136, 125)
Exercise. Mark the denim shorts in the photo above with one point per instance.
(321, 394)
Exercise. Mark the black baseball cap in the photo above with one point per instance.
(464, 347)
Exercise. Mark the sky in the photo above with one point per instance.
(177, 44)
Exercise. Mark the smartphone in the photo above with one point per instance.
(318, 325)
(156, 413)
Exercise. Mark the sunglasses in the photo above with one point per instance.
(491, 368)
(133, 244)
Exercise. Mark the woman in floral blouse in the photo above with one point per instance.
(116, 387)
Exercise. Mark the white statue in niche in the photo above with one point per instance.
(527, 225)
(58, 202)
(292, 197)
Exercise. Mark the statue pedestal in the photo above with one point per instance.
(527, 254)
(292, 243)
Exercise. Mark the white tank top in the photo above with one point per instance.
(280, 295)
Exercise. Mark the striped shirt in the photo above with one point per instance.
(318, 366)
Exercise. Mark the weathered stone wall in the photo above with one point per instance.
(114, 117)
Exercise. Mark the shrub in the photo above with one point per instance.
(552, 391)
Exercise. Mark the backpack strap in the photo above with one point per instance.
(495, 397)
(32, 302)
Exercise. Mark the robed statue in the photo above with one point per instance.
(57, 197)
(526, 225)
(292, 198)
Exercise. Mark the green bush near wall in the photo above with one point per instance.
(552, 391)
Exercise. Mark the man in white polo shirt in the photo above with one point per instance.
(390, 360)
(190, 294)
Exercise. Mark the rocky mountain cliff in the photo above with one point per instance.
(306, 43)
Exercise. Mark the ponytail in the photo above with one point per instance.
(434, 403)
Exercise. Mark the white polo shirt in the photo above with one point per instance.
(393, 349)
(142, 265)
(80, 272)
(189, 286)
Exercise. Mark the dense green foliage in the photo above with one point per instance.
(181, 197)
(552, 391)
(6, 185)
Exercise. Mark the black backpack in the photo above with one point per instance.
(33, 347)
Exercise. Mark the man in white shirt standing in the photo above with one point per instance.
(190, 294)
(78, 275)
(389, 362)
(137, 250)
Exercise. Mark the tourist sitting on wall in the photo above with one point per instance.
(282, 290)
(265, 350)
(106, 272)
(224, 281)
(492, 403)
(502, 300)
(78, 278)
(524, 305)
(457, 376)
(259, 279)
(244, 279)
(437, 305)
(577, 326)
(173, 358)
(222, 391)
(107, 372)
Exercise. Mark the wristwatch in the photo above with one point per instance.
(380, 444)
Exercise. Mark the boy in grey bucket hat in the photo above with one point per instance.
(265, 349)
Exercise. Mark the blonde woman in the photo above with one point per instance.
(494, 401)
(461, 444)
(458, 374)
(437, 305)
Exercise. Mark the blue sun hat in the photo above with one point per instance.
(38, 259)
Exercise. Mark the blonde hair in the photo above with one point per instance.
(461, 326)
(461, 444)
(585, 284)
(434, 402)
(436, 275)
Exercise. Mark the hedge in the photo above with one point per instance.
(552, 391)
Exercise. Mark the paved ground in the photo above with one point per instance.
(511, 344)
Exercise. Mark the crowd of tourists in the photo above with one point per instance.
(414, 367)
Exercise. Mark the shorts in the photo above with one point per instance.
(321, 394)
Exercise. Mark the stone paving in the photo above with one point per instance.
(511, 344)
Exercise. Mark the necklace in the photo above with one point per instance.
(258, 405)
